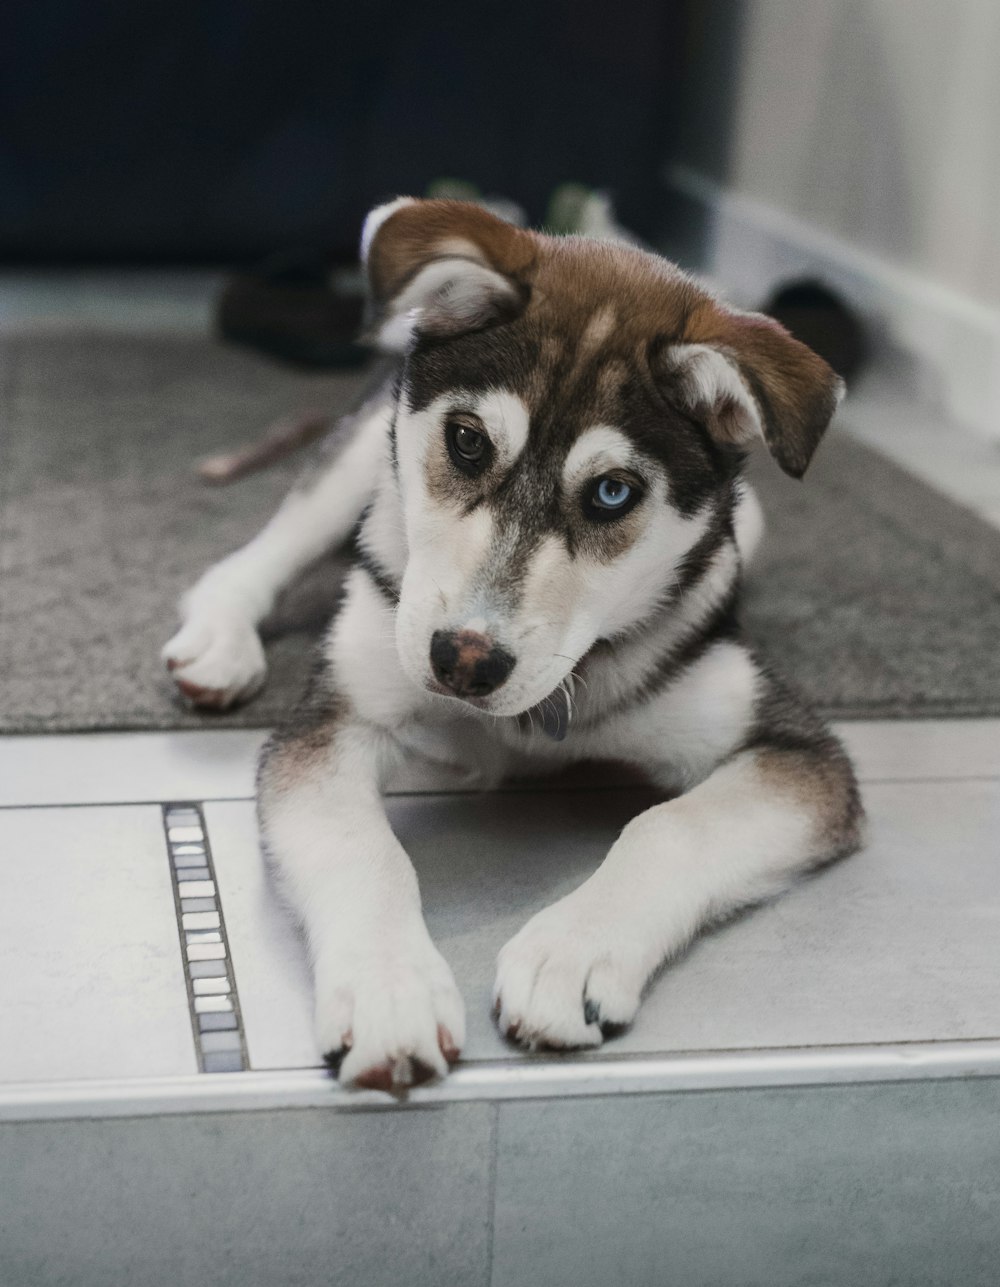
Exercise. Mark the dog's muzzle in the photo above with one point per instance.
(469, 664)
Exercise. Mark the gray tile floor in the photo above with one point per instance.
(883, 969)
(895, 945)
(762, 1159)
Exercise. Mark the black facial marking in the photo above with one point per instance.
(478, 362)
(566, 393)
(698, 558)
(695, 469)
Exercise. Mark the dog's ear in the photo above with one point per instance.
(746, 379)
(440, 268)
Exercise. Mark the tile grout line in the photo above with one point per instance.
(879, 779)
(213, 1001)
(492, 1193)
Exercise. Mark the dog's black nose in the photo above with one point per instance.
(469, 663)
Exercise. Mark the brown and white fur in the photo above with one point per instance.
(503, 617)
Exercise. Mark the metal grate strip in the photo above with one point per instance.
(214, 1003)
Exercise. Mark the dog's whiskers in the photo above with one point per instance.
(441, 596)
(574, 675)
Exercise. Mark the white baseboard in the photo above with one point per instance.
(953, 341)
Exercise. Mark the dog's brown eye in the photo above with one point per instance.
(468, 447)
(469, 444)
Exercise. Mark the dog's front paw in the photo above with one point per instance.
(568, 978)
(390, 1017)
(216, 662)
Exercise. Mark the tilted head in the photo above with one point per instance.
(571, 422)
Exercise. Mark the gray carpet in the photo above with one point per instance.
(874, 594)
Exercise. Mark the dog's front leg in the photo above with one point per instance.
(387, 1008)
(216, 657)
(577, 969)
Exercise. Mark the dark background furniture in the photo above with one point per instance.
(219, 130)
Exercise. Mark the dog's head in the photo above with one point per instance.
(572, 417)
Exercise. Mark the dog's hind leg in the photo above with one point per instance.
(216, 657)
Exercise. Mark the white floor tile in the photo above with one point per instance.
(272, 976)
(910, 750)
(113, 768)
(211, 764)
(91, 977)
(897, 944)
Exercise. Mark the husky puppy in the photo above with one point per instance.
(552, 532)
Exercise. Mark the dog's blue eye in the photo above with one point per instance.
(609, 498)
(612, 493)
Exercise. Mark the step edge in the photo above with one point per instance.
(498, 1081)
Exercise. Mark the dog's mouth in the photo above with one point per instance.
(465, 699)
(553, 714)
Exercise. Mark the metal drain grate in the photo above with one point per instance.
(208, 966)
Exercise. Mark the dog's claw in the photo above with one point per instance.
(446, 1041)
(389, 1021)
(334, 1057)
(377, 1078)
(561, 987)
(203, 696)
(395, 1077)
(421, 1072)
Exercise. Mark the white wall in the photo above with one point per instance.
(872, 126)
(880, 120)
